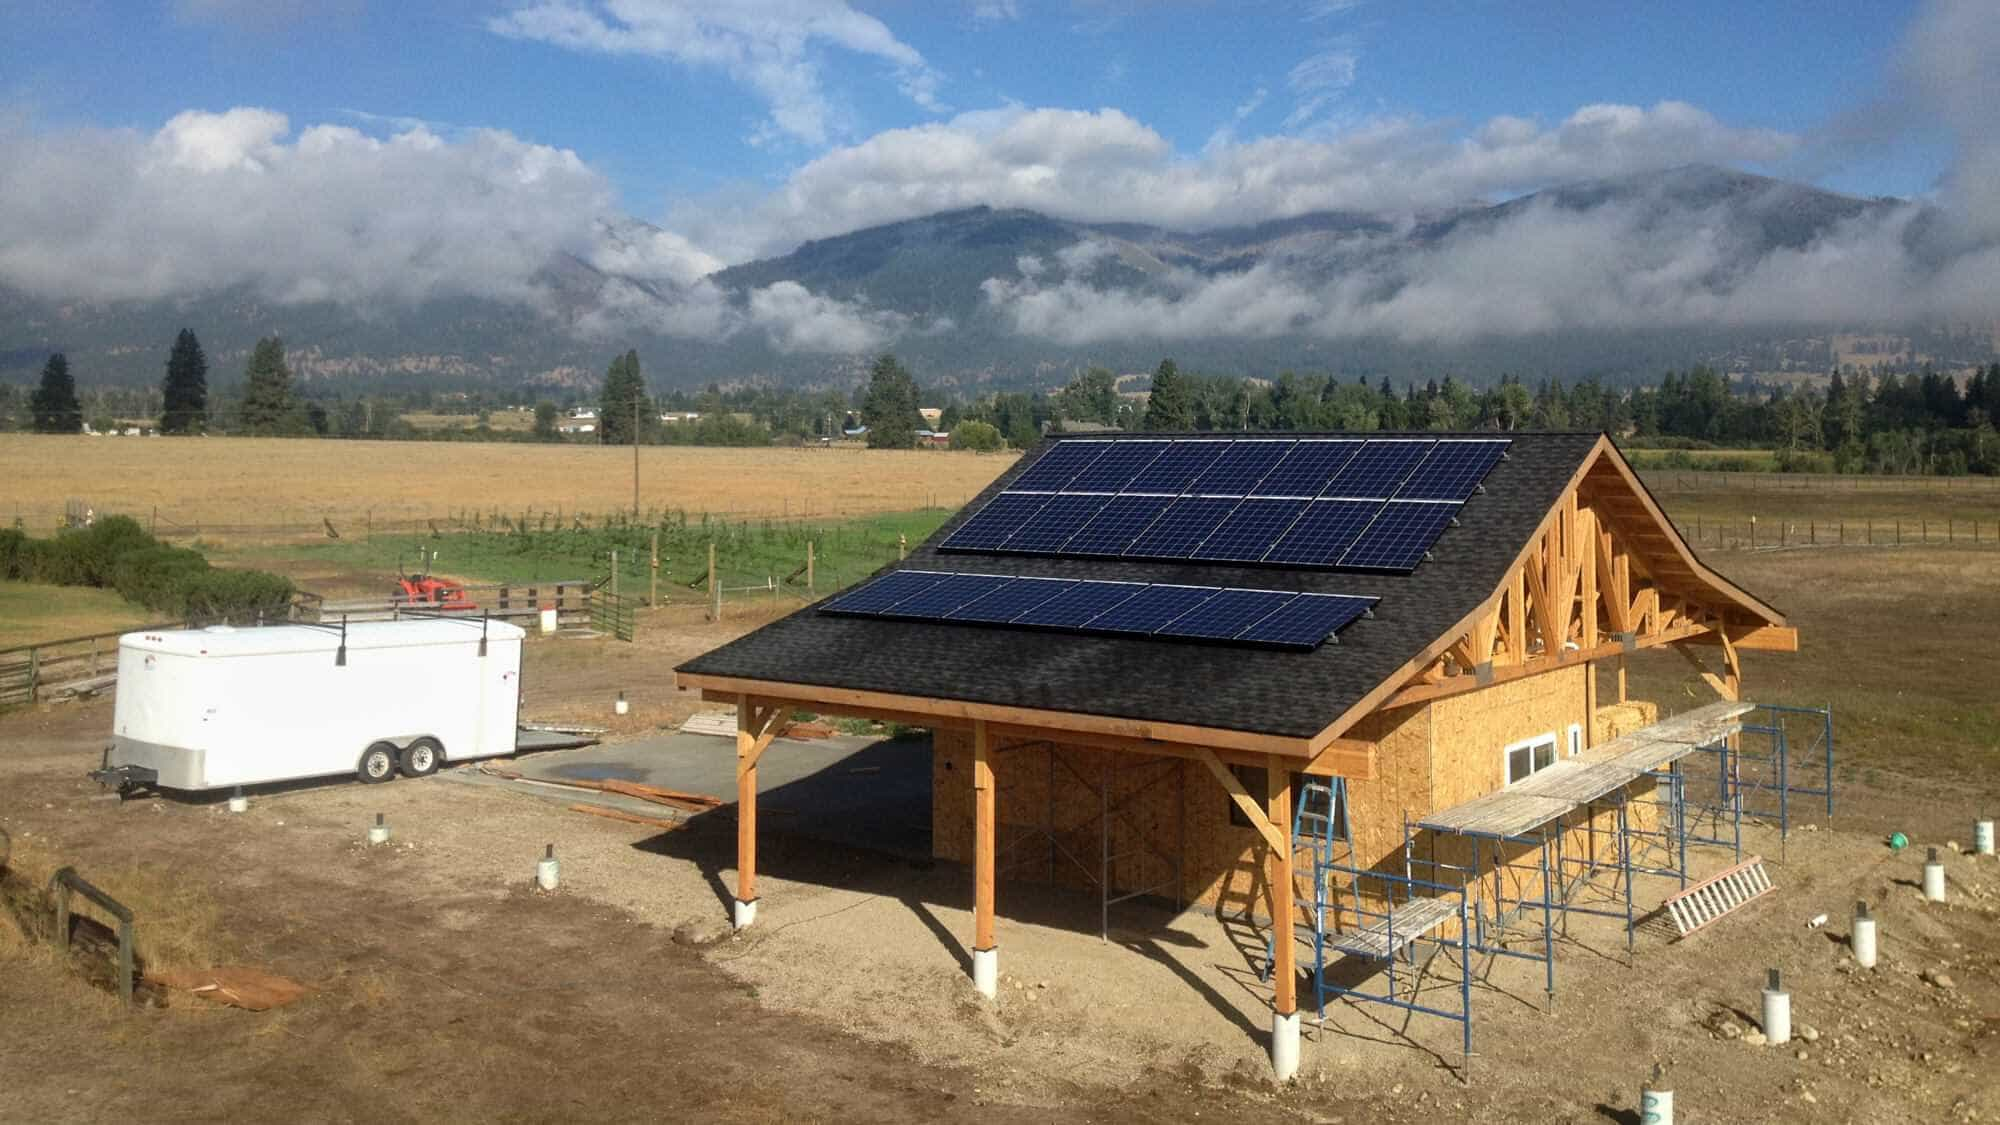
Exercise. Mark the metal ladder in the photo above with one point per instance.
(1717, 895)
(1321, 830)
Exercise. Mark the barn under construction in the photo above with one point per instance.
(1372, 686)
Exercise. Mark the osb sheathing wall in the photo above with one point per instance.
(1429, 756)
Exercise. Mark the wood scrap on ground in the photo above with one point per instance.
(629, 818)
(238, 986)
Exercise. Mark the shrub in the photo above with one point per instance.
(117, 553)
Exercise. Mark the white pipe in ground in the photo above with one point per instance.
(1862, 937)
(547, 872)
(238, 802)
(1934, 877)
(621, 707)
(1285, 1045)
(1656, 1104)
(378, 832)
(746, 913)
(1982, 836)
(1777, 1013)
(986, 971)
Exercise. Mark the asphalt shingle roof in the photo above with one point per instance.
(1289, 694)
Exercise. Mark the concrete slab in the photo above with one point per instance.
(863, 792)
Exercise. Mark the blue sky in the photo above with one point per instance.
(664, 129)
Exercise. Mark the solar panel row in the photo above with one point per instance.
(1375, 504)
(1377, 468)
(1358, 534)
(1261, 617)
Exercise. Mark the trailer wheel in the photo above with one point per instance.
(421, 758)
(378, 762)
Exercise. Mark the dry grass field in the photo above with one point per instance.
(213, 483)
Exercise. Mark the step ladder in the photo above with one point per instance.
(1717, 895)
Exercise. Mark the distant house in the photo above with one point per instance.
(677, 416)
(931, 415)
(934, 438)
(583, 413)
(855, 431)
(577, 428)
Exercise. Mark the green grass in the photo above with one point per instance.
(31, 613)
(747, 552)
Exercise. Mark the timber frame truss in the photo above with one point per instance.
(1605, 575)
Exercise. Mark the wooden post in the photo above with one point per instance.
(983, 809)
(809, 568)
(714, 587)
(746, 809)
(653, 596)
(614, 574)
(1621, 677)
(1284, 947)
(902, 547)
(1590, 703)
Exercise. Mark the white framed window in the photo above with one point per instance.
(1529, 756)
(1575, 739)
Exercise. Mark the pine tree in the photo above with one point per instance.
(186, 388)
(1170, 406)
(54, 405)
(267, 390)
(623, 402)
(890, 410)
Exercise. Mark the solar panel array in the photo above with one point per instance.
(1275, 618)
(1340, 503)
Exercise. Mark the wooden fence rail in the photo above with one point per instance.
(62, 668)
(571, 598)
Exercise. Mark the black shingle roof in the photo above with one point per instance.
(1289, 694)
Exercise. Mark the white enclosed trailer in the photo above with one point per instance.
(220, 707)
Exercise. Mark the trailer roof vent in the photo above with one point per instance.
(220, 629)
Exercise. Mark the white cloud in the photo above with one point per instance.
(1104, 165)
(1543, 270)
(1319, 79)
(768, 45)
(996, 11)
(234, 199)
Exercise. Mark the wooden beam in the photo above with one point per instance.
(1538, 596)
(1284, 948)
(1767, 638)
(1252, 811)
(1351, 758)
(959, 713)
(1458, 685)
(1720, 686)
(982, 838)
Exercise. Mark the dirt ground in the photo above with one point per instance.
(444, 988)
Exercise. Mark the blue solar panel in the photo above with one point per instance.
(1181, 528)
(990, 526)
(1323, 533)
(1453, 470)
(1010, 601)
(1306, 620)
(1171, 471)
(946, 594)
(1226, 614)
(1400, 535)
(1079, 604)
(1238, 470)
(1378, 469)
(1053, 470)
(1047, 530)
(1120, 463)
(1114, 527)
(1151, 608)
(1247, 534)
(1306, 470)
(884, 592)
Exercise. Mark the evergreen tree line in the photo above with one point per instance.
(1918, 422)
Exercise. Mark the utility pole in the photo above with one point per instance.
(635, 456)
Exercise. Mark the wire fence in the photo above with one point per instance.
(1754, 534)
